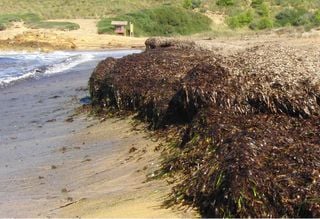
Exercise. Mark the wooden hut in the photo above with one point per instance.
(120, 27)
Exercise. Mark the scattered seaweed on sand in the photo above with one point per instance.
(246, 125)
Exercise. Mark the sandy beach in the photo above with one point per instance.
(55, 163)
(20, 37)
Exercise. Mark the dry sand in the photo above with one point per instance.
(18, 36)
(50, 167)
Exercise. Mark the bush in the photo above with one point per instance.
(34, 21)
(263, 10)
(225, 2)
(196, 3)
(2, 27)
(240, 20)
(262, 23)
(161, 21)
(256, 3)
(187, 4)
(316, 17)
(295, 17)
(191, 4)
(6, 19)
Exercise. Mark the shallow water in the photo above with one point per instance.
(33, 129)
(18, 66)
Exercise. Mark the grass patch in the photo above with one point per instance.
(7, 19)
(59, 9)
(55, 25)
(161, 21)
(34, 21)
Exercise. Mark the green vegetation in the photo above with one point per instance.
(5, 20)
(262, 23)
(239, 14)
(225, 2)
(191, 4)
(161, 21)
(240, 20)
(263, 14)
(294, 17)
(34, 21)
(55, 25)
(58, 9)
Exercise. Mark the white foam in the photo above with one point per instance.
(4, 82)
(54, 62)
(66, 65)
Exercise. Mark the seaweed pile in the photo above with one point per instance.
(250, 143)
(143, 83)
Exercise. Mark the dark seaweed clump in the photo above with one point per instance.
(248, 143)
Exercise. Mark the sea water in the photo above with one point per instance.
(19, 66)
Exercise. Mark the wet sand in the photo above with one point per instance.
(50, 167)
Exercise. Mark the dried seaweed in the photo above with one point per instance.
(246, 124)
(250, 165)
(143, 83)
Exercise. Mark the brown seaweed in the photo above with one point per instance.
(246, 124)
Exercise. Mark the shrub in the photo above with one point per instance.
(6, 19)
(263, 10)
(262, 23)
(191, 4)
(316, 17)
(187, 4)
(295, 17)
(240, 20)
(161, 21)
(2, 27)
(203, 10)
(256, 3)
(225, 2)
(196, 3)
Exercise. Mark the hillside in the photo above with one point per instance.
(57, 9)
(161, 21)
(262, 14)
(235, 14)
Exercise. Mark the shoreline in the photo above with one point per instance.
(58, 164)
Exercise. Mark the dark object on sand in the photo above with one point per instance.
(246, 125)
(133, 149)
(54, 97)
(51, 120)
(85, 100)
(70, 119)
